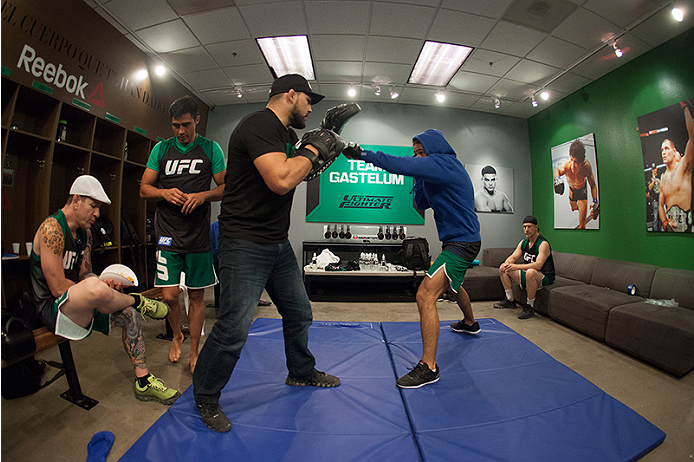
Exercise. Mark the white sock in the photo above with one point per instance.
(509, 294)
(531, 302)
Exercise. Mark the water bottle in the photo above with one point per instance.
(62, 130)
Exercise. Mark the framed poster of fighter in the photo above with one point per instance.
(575, 177)
(493, 187)
(667, 145)
(354, 191)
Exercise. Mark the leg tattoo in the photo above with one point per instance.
(133, 340)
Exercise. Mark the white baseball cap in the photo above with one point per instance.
(87, 185)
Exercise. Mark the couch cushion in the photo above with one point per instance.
(674, 283)
(542, 296)
(495, 256)
(659, 335)
(574, 266)
(586, 307)
(483, 283)
(618, 275)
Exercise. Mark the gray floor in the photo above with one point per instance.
(45, 427)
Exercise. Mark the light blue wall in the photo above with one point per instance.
(478, 138)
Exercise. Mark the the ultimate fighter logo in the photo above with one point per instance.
(367, 202)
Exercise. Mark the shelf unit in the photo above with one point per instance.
(38, 171)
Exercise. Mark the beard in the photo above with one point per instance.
(296, 119)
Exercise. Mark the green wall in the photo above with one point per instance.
(609, 107)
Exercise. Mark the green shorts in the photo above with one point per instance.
(453, 266)
(101, 322)
(545, 280)
(198, 268)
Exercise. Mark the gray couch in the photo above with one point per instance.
(590, 296)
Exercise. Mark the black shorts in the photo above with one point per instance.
(580, 194)
(468, 251)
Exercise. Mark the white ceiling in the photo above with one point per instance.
(520, 46)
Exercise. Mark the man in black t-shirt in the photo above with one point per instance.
(263, 169)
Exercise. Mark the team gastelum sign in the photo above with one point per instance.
(354, 191)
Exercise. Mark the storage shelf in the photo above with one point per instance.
(38, 171)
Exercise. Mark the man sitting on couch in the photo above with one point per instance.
(537, 269)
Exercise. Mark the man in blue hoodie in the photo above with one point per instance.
(442, 183)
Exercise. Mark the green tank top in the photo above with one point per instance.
(73, 253)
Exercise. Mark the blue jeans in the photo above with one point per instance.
(245, 269)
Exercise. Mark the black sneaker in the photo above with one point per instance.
(528, 312)
(418, 377)
(319, 379)
(505, 303)
(213, 417)
(463, 328)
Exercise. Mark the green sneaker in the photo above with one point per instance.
(155, 309)
(155, 390)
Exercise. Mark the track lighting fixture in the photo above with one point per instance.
(617, 50)
(677, 13)
(238, 93)
(352, 91)
(377, 92)
(393, 94)
(534, 102)
(544, 95)
(497, 103)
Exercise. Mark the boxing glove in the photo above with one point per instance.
(352, 151)
(559, 186)
(595, 209)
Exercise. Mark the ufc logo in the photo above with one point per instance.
(529, 258)
(69, 259)
(176, 167)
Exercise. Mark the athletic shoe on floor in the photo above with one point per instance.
(528, 312)
(505, 303)
(463, 328)
(152, 308)
(155, 390)
(418, 377)
(319, 379)
(213, 417)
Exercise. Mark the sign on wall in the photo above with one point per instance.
(575, 173)
(493, 188)
(667, 144)
(354, 191)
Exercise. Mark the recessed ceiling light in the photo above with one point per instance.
(437, 63)
(288, 55)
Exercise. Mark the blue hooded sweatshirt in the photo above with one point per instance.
(441, 182)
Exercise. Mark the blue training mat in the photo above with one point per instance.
(362, 419)
(500, 397)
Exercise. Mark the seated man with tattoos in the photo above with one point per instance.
(73, 302)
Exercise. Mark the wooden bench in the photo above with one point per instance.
(46, 339)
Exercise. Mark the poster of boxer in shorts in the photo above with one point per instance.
(667, 145)
(575, 171)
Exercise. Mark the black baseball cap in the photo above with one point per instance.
(294, 82)
(530, 219)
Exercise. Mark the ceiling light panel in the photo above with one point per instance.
(437, 63)
(288, 55)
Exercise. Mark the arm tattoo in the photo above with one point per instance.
(52, 236)
(87, 259)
